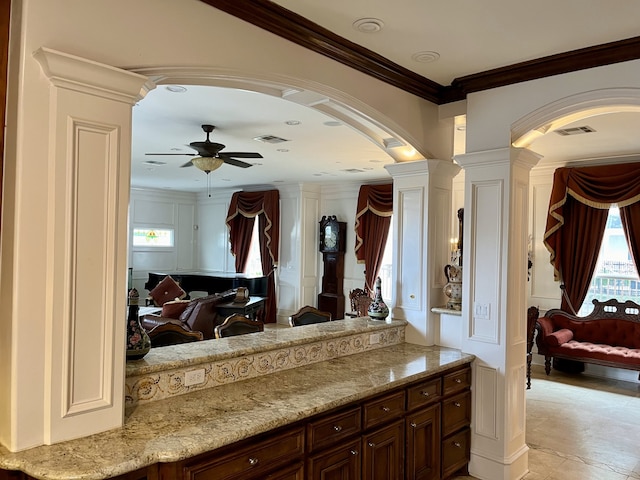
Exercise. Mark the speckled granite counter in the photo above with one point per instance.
(161, 374)
(196, 422)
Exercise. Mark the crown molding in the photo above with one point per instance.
(291, 26)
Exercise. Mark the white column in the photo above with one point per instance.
(494, 306)
(421, 232)
(89, 160)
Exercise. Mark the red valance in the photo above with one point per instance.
(250, 205)
(598, 187)
(372, 200)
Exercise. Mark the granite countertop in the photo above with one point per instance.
(177, 356)
(181, 427)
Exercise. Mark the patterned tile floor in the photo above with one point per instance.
(581, 428)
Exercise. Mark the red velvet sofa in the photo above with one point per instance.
(609, 336)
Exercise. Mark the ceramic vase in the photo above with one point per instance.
(138, 341)
(378, 310)
(453, 288)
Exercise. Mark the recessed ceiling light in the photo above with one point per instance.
(368, 25)
(375, 161)
(332, 123)
(225, 179)
(425, 57)
(283, 150)
(155, 163)
(176, 88)
(293, 122)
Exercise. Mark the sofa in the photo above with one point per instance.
(183, 321)
(608, 336)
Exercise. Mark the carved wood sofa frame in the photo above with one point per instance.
(609, 311)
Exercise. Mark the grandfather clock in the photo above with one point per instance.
(332, 247)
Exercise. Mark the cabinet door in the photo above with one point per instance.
(340, 463)
(423, 444)
(383, 453)
(293, 472)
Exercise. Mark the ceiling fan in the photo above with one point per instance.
(209, 149)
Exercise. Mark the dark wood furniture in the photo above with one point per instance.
(609, 336)
(237, 324)
(211, 282)
(251, 308)
(172, 334)
(532, 316)
(332, 245)
(360, 301)
(308, 315)
(416, 432)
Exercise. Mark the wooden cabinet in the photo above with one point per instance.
(265, 457)
(383, 453)
(417, 432)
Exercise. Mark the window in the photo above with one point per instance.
(386, 269)
(152, 237)
(254, 264)
(615, 275)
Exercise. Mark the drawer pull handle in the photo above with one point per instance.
(425, 394)
(456, 404)
(253, 461)
(354, 452)
(413, 424)
(372, 445)
(386, 409)
(456, 444)
(337, 428)
(458, 380)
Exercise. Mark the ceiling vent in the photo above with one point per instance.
(270, 139)
(574, 131)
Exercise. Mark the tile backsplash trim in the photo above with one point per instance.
(168, 383)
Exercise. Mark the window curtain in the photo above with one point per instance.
(266, 206)
(373, 217)
(578, 209)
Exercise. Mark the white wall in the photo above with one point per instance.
(162, 209)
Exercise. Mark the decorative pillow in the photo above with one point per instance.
(559, 337)
(174, 308)
(166, 291)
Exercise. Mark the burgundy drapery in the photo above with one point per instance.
(373, 217)
(578, 209)
(266, 206)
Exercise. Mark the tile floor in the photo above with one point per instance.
(581, 428)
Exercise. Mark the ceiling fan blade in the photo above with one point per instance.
(234, 162)
(188, 164)
(189, 154)
(240, 155)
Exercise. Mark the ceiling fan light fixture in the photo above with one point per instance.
(207, 164)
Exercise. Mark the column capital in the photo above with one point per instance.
(423, 167)
(79, 74)
(499, 156)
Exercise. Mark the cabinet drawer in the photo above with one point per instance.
(382, 409)
(424, 393)
(455, 452)
(454, 382)
(250, 461)
(456, 413)
(335, 427)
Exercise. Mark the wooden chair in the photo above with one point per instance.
(360, 301)
(532, 316)
(237, 324)
(308, 315)
(171, 333)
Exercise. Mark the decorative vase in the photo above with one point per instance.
(378, 310)
(138, 341)
(453, 288)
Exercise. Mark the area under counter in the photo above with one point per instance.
(183, 426)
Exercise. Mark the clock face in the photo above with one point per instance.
(330, 236)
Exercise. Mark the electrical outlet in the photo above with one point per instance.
(194, 377)
(374, 338)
